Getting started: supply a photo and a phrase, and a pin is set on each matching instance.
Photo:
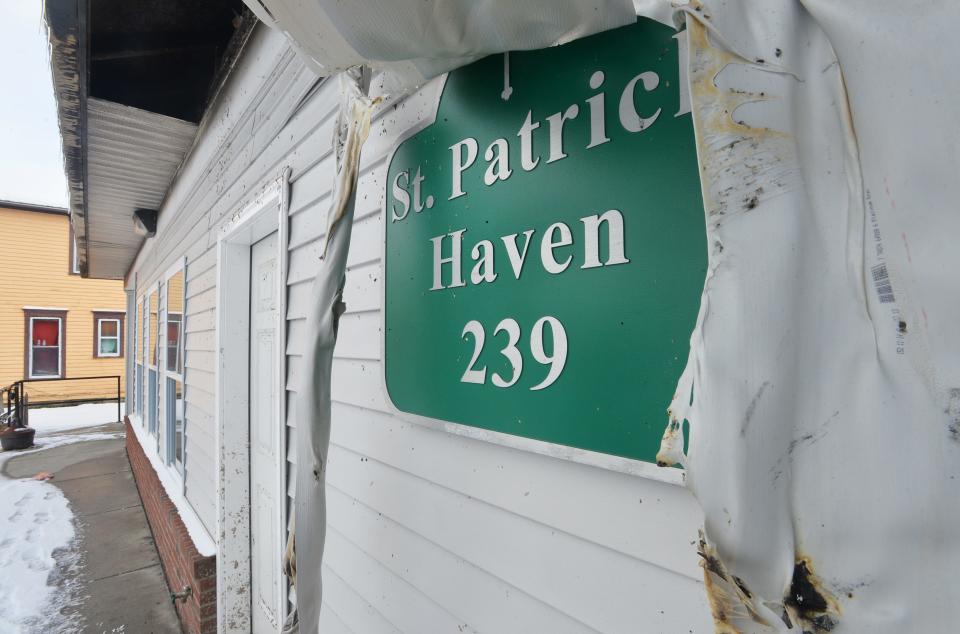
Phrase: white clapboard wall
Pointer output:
(428, 531)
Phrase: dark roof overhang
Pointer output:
(132, 80)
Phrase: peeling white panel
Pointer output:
(416, 40)
(821, 385)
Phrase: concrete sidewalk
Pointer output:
(121, 584)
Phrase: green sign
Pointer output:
(545, 246)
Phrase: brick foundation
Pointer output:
(182, 565)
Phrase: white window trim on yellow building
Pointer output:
(59, 347)
(101, 337)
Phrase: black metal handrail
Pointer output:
(17, 404)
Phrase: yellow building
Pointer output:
(53, 322)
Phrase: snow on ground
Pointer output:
(39, 555)
(48, 420)
(35, 524)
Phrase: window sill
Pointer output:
(172, 483)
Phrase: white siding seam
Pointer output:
(369, 213)
(309, 203)
(362, 599)
(549, 527)
(325, 607)
(480, 569)
(193, 272)
(380, 564)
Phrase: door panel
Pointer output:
(264, 431)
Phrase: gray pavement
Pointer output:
(119, 582)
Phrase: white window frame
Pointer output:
(152, 348)
(59, 347)
(100, 337)
(143, 330)
(177, 374)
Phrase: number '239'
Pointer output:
(556, 359)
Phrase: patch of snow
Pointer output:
(35, 523)
(49, 442)
(49, 420)
(38, 554)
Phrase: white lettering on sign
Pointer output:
(401, 195)
(556, 359)
(460, 163)
(456, 279)
(464, 153)
(557, 236)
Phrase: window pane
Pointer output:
(108, 346)
(173, 346)
(138, 333)
(109, 327)
(175, 420)
(152, 339)
(46, 361)
(174, 320)
(152, 401)
(46, 332)
(139, 388)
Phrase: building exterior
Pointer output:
(433, 525)
(55, 323)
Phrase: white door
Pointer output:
(265, 496)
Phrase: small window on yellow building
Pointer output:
(44, 343)
(107, 334)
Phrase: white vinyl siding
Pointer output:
(241, 150)
(427, 530)
(431, 531)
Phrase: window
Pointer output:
(108, 334)
(74, 257)
(141, 346)
(173, 368)
(150, 342)
(45, 343)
